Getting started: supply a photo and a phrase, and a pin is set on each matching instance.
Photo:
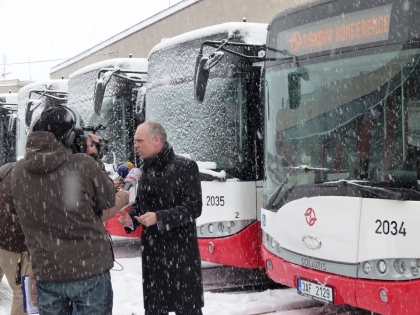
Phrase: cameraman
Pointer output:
(122, 196)
(59, 198)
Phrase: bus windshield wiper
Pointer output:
(284, 52)
(276, 197)
(379, 191)
(209, 174)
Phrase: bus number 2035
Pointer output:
(215, 201)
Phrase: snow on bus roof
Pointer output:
(249, 33)
(58, 85)
(138, 64)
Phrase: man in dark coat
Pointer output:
(168, 202)
(59, 198)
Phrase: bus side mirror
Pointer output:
(11, 126)
(31, 105)
(140, 114)
(294, 87)
(202, 71)
(98, 96)
(100, 86)
(200, 80)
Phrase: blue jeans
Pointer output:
(189, 312)
(90, 296)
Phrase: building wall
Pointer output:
(11, 88)
(12, 85)
(198, 15)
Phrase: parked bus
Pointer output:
(342, 153)
(8, 110)
(32, 99)
(109, 96)
(223, 133)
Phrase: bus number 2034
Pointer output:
(215, 201)
(386, 227)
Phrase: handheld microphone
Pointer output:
(132, 178)
(123, 171)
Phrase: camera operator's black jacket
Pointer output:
(170, 186)
(59, 197)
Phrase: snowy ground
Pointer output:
(128, 298)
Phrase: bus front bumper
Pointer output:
(402, 296)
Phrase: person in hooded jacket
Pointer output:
(59, 198)
(167, 203)
(12, 240)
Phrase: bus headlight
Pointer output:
(267, 238)
(273, 243)
(221, 227)
(202, 228)
(381, 266)
(399, 266)
(366, 267)
(414, 271)
(211, 228)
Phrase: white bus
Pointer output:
(109, 97)
(222, 133)
(342, 153)
(8, 110)
(32, 99)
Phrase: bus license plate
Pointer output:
(315, 291)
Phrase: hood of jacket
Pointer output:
(44, 153)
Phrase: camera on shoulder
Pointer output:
(79, 145)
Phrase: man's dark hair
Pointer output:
(60, 121)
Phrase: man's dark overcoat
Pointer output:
(170, 186)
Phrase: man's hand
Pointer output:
(125, 219)
(118, 184)
(147, 219)
(94, 137)
(90, 147)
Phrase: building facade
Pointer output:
(185, 16)
(12, 86)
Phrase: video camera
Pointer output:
(80, 140)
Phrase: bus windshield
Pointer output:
(7, 137)
(355, 115)
(117, 117)
(216, 130)
(118, 104)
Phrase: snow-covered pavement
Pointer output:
(128, 298)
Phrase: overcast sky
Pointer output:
(40, 30)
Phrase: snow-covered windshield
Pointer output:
(118, 105)
(7, 137)
(214, 131)
(356, 114)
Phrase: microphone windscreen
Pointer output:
(129, 165)
(123, 171)
(133, 177)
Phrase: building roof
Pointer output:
(143, 24)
